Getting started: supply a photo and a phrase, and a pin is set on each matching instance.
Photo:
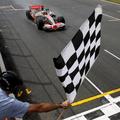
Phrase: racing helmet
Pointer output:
(44, 12)
(52, 14)
(9, 81)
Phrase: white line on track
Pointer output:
(2, 66)
(11, 8)
(117, 20)
(93, 85)
(113, 18)
(5, 7)
(112, 54)
(16, 9)
(108, 97)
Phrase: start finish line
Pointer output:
(109, 111)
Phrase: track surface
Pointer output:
(33, 50)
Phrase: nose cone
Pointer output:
(54, 27)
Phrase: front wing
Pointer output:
(56, 26)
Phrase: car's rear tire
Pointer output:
(61, 19)
(40, 22)
(28, 15)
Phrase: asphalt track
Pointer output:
(33, 50)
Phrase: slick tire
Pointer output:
(61, 19)
(28, 15)
(40, 22)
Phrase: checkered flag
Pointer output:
(78, 56)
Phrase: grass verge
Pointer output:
(115, 1)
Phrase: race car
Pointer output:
(44, 18)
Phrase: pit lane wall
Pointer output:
(109, 111)
(2, 65)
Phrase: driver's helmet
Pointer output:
(34, 11)
(9, 81)
(52, 14)
(44, 12)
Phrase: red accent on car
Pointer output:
(58, 23)
(37, 6)
(54, 27)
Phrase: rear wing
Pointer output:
(37, 7)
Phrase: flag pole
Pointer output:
(94, 97)
(61, 114)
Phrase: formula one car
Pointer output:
(45, 19)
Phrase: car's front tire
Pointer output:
(28, 15)
(40, 22)
(61, 19)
